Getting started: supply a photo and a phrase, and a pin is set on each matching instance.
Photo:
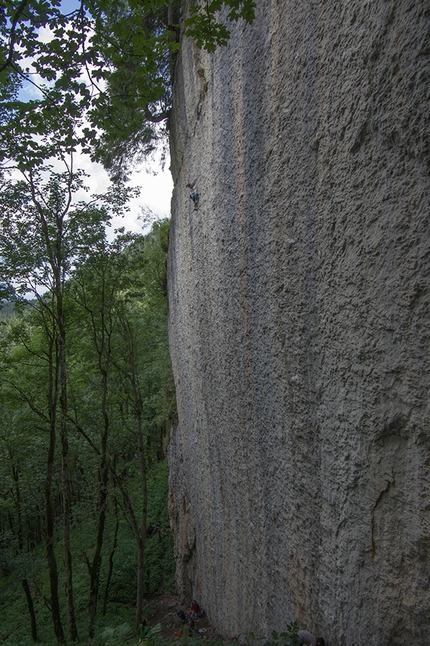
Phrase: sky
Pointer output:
(155, 185)
(153, 178)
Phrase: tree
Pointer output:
(109, 61)
(27, 353)
(145, 337)
(101, 287)
(96, 287)
(43, 233)
(120, 402)
(126, 320)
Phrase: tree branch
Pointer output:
(17, 16)
(84, 434)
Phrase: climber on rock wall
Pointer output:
(193, 193)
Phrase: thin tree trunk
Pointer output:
(15, 475)
(54, 249)
(94, 569)
(141, 538)
(139, 528)
(140, 532)
(101, 332)
(173, 29)
(67, 552)
(30, 609)
(52, 562)
(49, 509)
(25, 585)
(104, 353)
(112, 553)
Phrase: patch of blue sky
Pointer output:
(68, 6)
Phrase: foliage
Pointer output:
(203, 26)
(86, 388)
(288, 638)
(41, 223)
(103, 72)
(116, 636)
(160, 568)
(151, 638)
(127, 266)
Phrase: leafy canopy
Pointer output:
(202, 24)
(101, 74)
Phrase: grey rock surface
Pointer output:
(307, 638)
(300, 323)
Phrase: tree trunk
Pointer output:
(104, 353)
(140, 532)
(67, 552)
(94, 569)
(52, 561)
(173, 30)
(26, 587)
(139, 529)
(141, 538)
(49, 509)
(30, 609)
(15, 475)
(109, 576)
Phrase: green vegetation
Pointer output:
(86, 389)
(108, 463)
(103, 71)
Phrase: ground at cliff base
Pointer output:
(163, 609)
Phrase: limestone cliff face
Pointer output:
(300, 323)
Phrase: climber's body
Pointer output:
(193, 193)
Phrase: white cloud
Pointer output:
(155, 184)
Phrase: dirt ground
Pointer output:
(164, 610)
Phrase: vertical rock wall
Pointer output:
(299, 322)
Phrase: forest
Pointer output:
(87, 398)
(86, 389)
